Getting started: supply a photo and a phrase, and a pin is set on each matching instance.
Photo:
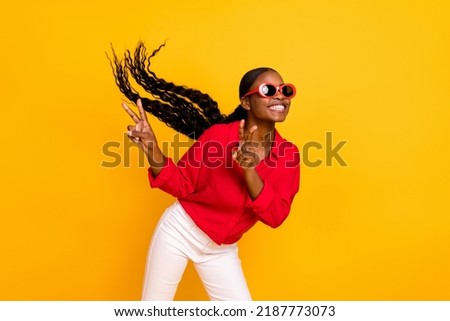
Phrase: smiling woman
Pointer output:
(252, 162)
(187, 110)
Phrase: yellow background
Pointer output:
(375, 74)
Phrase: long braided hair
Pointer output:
(188, 111)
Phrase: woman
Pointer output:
(239, 171)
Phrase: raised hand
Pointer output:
(247, 153)
(141, 133)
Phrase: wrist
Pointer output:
(150, 146)
(248, 169)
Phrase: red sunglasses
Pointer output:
(268, 90)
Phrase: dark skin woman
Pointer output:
(258, 169)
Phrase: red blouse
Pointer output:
(210, 185)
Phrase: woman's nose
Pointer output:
(278, 95)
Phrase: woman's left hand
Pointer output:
(246, 155)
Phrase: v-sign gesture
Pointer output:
(248, 157)
(142, 134)
(247, 154)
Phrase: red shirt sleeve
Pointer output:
(273, 204)
(180, 179)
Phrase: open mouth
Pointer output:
(278, 107)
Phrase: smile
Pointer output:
(277, 107)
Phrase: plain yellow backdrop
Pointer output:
(374, 74)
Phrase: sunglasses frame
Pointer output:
(277, 89)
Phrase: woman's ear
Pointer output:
(245, 103)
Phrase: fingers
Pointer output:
(249, 135)
(141, 110)
(139, 126)
(247, 155)
(241, 129)
(134, 132)
(131, 113)
(246, 160)
(129, 133)
(137, 134)
(130, 129)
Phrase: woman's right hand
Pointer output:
(142, 134)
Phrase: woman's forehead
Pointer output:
(269, 76)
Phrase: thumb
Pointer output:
(135, 133)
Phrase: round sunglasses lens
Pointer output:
(268, 90)
(287, 91)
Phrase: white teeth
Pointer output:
(277, 107)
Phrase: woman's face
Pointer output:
(272, 109)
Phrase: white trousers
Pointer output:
(176, 240)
